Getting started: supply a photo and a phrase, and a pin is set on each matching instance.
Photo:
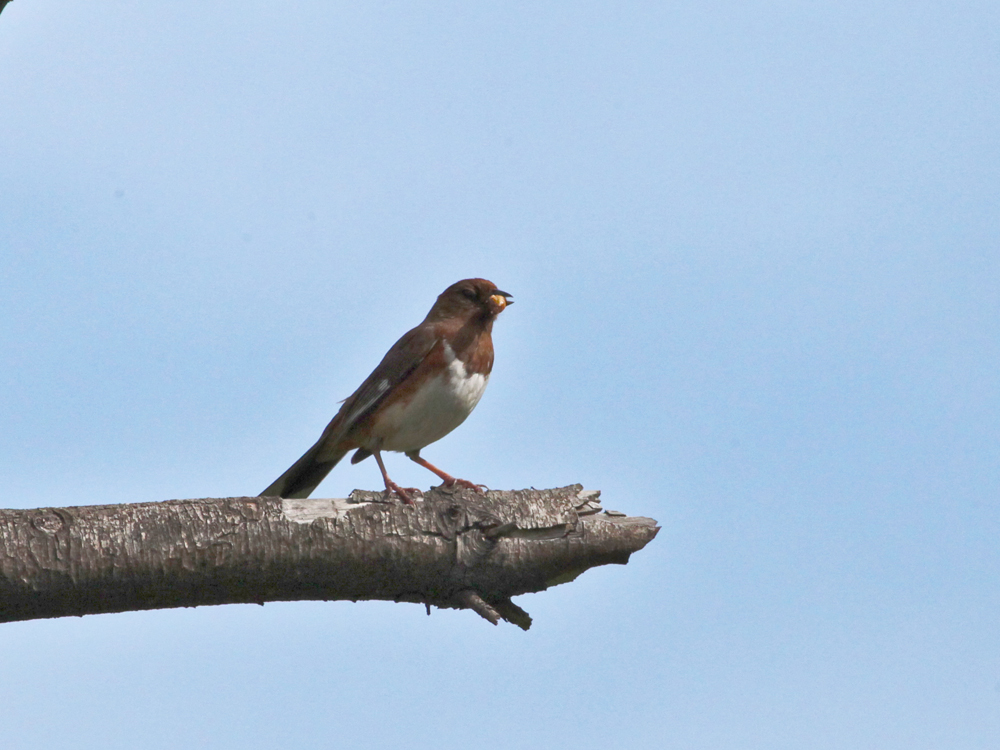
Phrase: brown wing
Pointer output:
(396, 366)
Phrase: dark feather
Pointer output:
(398, 364)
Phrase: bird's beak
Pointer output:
(499, 301)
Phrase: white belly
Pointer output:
(434, 411)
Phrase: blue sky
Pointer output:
(754, 252)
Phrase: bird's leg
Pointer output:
(391, 486)
(448, 479)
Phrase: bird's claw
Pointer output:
(482, 489)
(403, 493)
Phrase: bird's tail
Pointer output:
(304, 475)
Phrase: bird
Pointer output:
(425, 386)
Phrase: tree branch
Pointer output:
(453, 549)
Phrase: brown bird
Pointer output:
(424, 387)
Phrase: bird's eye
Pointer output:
(470, 294)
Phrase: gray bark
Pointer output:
(452, 549)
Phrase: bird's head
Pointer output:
(470, 298)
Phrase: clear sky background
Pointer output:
(754, 252)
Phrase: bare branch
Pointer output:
(452, 549)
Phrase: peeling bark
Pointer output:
(451, 550)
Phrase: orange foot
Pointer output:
(452, 481)
(405, 493)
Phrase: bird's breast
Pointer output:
(436, 407)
